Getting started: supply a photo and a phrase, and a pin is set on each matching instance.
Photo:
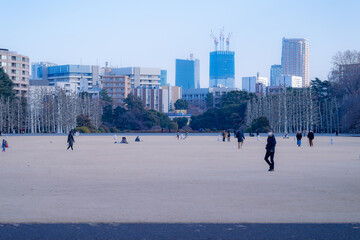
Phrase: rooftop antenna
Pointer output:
(216, 41)
(228, 42)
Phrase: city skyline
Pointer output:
(165, 31)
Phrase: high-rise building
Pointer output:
(140, 76)
(222, 69)
(17, 67)
(222, 64)
(295, 58)
(275, 71)
(289, 81)
(187, 73)
(163, 78)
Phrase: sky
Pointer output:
(155, 33)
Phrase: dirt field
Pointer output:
(163, 179)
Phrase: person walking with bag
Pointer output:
(270, 150)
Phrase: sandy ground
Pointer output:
(166, 180)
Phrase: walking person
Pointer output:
(224, 135)
(240, 138)
(311, 137)
(298, 138)
(228, 135)
(70, 140)
(178, 135)
(270, 150)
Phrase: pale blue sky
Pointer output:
(155, 33)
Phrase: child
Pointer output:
(4, 144)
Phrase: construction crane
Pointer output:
(228, 42)
(221, 37)
(216, 40)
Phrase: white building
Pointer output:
(289, 81)
(295, 58)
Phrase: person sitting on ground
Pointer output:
(137, 139)
(286, 136)
(123, 140)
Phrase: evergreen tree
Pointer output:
(6, 85)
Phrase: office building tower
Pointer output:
(295, 58)
(222, 64)
(187, 73)
(17, 67)
(275, 71)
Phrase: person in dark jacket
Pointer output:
(70, 140)
(311, 137)
(228, 135)
(298, 138)
(270, 150)
(240, 138)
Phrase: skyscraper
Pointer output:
(187, 73)
(222, 64)
(295, 58)
(275, 71)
